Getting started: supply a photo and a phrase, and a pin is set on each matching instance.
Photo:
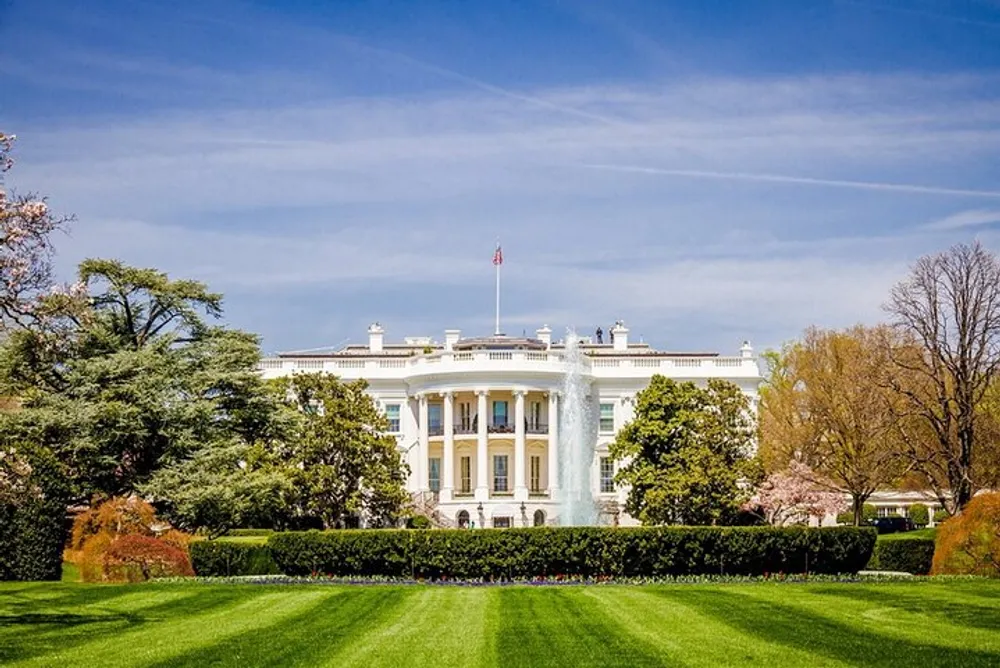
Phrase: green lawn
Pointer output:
(909, 535)
(890, 624)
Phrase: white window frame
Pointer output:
(497, 477)
(610, 428)
(465, 473)
(607, 465)
(398, 419)
(432, 463)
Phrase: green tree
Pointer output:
(223, 486)
(346, 465)
(688, 454)
(126, 376)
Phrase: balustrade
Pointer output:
(493, 357)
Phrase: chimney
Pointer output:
(544, 335)
(451, 337)
(376, 336)
(746, 350)
(620, 334)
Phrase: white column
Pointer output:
(520, 488)
(482, 449)
(448, 474)
(423, 449)
(553, 444)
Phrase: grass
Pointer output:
(254, 540)
(70, 572)
(931, 623)
(910, 535)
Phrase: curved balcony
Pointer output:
(519, 362)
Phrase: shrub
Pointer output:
(136, 558)
(176, 538)
(116, 516)
(418, 522)
(969, 543)
(223, 558)
(940, 516)
(96, 549)
(919, 514)
(32, 514)
(573, 551)
(909, 555)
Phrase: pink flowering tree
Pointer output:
(26, 226)
(795, 495)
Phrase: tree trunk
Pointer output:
(963, 487)
(858, 507)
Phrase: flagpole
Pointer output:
(497, 265)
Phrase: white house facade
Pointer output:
(478, 418)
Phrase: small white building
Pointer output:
(477, 418)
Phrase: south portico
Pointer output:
(494, 444)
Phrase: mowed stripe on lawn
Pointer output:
(158, 637)
(842, 631)
(39, 618)
(545, 626)
(328, 624)
(433, 626)
(685, 635)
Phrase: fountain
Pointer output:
(577, 506)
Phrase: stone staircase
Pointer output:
(426, 504)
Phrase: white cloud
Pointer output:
(962, 219)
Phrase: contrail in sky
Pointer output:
(801, 180)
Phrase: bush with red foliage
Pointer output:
(117, 541)
(116, 516)
(135, 558)
(969, 543)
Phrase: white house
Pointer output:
(478, 418)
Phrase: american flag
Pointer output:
(498, 256)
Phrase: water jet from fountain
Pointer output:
(577, 506)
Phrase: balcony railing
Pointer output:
(469, 428)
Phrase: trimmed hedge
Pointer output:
(225, 558)
(33, 526)
(506, 554)
(909, 555)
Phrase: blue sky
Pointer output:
(707, 171)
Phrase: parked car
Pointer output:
(893, 524)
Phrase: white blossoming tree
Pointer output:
(793, 496)
(26, 227)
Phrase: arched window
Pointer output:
(539, 518)
(463, 519)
